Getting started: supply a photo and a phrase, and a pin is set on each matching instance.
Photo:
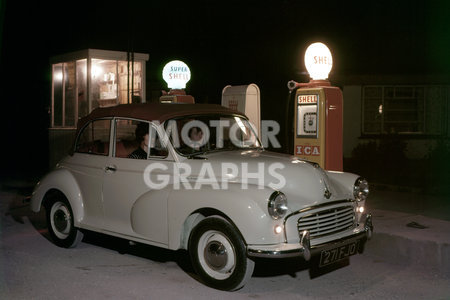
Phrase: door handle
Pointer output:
(110, 169)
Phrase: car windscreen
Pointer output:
(201, 134)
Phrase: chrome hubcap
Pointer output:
(60, 219)
(216, 255)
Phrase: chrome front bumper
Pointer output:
(304, 248)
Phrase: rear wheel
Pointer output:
(218, 254)
(60, 223)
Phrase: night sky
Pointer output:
(223, 42)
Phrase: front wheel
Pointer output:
(60, 223)
(218, 254)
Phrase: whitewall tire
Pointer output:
(60, 223)
(218, 254)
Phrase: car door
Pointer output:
(131, 206)
(88, 167)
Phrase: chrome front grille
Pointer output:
(327, 221)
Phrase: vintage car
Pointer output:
(222, 196)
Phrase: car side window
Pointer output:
(135, 139)
(157, 147)
(94, 138)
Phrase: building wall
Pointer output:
(61, 140)
(352, 118)
(417, 146)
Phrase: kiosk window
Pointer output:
(79, 86)
(115, 81)
(64, 90)
(82, 97)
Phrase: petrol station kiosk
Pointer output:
(318, 112)
(87, 79)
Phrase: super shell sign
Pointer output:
(176, 73)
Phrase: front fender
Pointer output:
(63, 181)
(247, 209)
(343, 183)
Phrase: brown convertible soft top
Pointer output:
(156, 111)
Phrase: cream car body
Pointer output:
(111, 195)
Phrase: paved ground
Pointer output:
(412, 228)
(408, 257)
(410, 202)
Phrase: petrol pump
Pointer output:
(245, 99)
(318, 111)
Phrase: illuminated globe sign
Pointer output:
(318, 61)
(176, 73)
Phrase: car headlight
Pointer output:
(277, 205)
(361, 189)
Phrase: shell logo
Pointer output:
(318, 61)
(176, 73)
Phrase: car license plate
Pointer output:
(333, 255)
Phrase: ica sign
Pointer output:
(176, 73)
(318, 61)
(307, 150)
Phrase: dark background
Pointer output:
(223, 42)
